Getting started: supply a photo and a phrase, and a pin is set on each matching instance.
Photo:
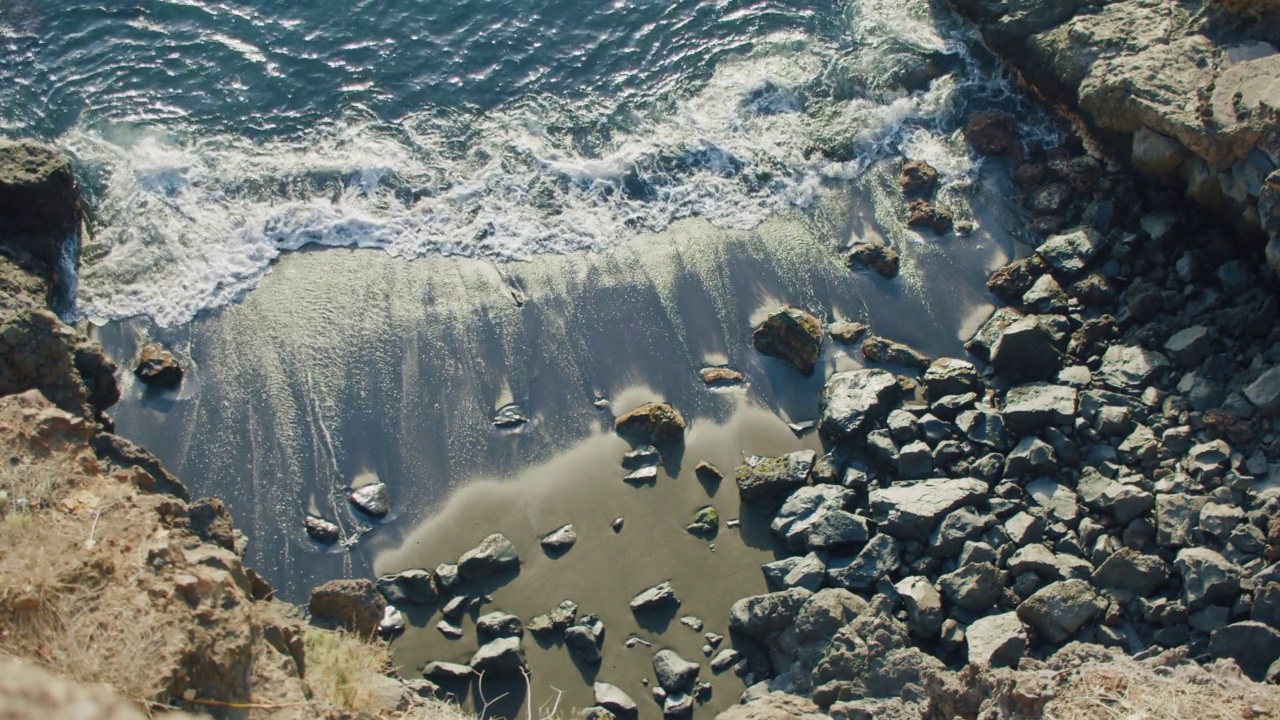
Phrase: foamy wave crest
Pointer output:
(186, 222)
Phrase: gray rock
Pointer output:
(985, 427)
(1034, 405)
(392, 621)
(677, 705)
(1132, 571)
(1139, 446)
(976, 586)
(1058, 610)
(882, 350)
(791, 335)
(915, 461)
(651, 423)
(1124, 502)
(447, 671)
(724, 660)
(371, 499)
(815, 517)
(981, 343)
(807, 573)
(1031, 456)
(613, 699)
(1026, 351)
(910, 511)
(498, 625)
(950, 376)
(1264, 392)
(1219, 519)
(877, 560)
(1177, 515)
(1057, 499)
(763, 616)
(39, 200)
(449, 629)
(1045, 296)
(1253, 645)
(583, 642)
(1190, 346)
(957, 528)
(1207, 578)
(1070, 253)
(560, 539)
(447, 577)
(411, 587)
(564, 614)
(903, 426)
(1129, 367)
(354, 604)
(924, 606)
(643, 476)
(503, 657)
(674, 673)
(654, 598)
(1034, 558)
(1266, 604)
(997, 640)
(643, 456)
(760, 477)
(595, 712)
(494, 555)
(1024, 528)
(321, 530)
(852, 401)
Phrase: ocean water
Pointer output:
(214, 135)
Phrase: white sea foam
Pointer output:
(188, 222)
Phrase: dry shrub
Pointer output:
(35, 485)
(1131, 691)
(337, 663)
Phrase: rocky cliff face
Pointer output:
(1189, 92)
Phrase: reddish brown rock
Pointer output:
(991, 133)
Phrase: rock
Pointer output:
(559, 541)
(923, 214)
(1070, 253)
(764, 616)
(1128, 367)
(1218, 520)
(791, 335)
(918, 178)
(158, 367)
(1189, 347)
(924, 606)
(645, 475)
(1058, 610)
(982, 342)
(997, 640)
(1033, 406)
(321, 530)
(495, 625)
(1132, 571)
(950, 376)
(495, 555)
(652, 422)
(447, 577)
(1025, 351)
(1176, 516)
(984, 426)
(1264, 392)
(881, 350)
(846, 333)
(1045, 296)
(447, 671)
(824, 614)
(353, 604)
(596, 712)
(654, 598)
(1050, 199)
(673, 673)
(449, 630)
(677, 705)
(806, 572)
(1031, 456)
(815, 518)
(1253, 645)
(39, 201)
(1035, 559)
(706, 521)
(881, 258)
(775, 706)
(724, 660)
(564, 614)
(915, 461)
(584, 642)
(371, 499)
(641, 457)
(852, 401)
(909, 511)
(614, 700)
(762, 477)
(708, 473)
(510, 416)
(991, 133)
(1056, 498)
(957, 528)
(503, 657)
(1207, 578)
(976, 586)
(879, 558)
(392, 621)
(411, 587)
(721, 376)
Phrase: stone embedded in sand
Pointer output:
(321, 530)
(652, 422)
(642, 476)
(708, 473)
(655, 598)
(510, 416)
(503, 657)
(494, 625)
(720, 376)
(392, 621)
(493, 556)
(447, 671)
(674, 673)
(923, 214)
(583, 641)
(706, 521)
(792, 335)
(918, 177)
(883, 350)
(353, 604)
(846, 333)
(641, 457)
(411, 587)
(158, 367)
(560, 539)
(371, 499)
(879, 257)
(613, 699)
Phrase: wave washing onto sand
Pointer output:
(188, 223)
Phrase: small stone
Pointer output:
(706, 521)
(645, 475)
(560, 540)
(792, 335)
(321, 530)
(720, 376)
(494, 555)
(673, 673)
(846, 333)
(652, 423)
(510, 416)
(654, 598)
(881, 258)
(693, 622)
(449, 630)
(158, 367)
(882, 350)
(641, 457)
(724, 660)
(371, 499)
(708, 473)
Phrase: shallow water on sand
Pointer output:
(349, 365)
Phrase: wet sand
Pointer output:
(348, 365)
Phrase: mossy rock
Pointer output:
(652, 423)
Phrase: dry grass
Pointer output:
(1130, 691)
(337, 662)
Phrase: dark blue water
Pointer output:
(215, 135)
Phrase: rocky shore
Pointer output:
(1084, 509)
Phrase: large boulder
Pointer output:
(673, 673)
(1058, 610)
(950, 376)
(1207, 578)
(975, 587)
(1026, 350)
(1254, 645)
(852, 401)
(764, 616)
(1130, 570)
(883, 350)
(158, 367)
(1129, 367)
(909, 511)
(495, 555)
(997, 640)
(652, 422)
(875, 562)
(791, 335)
(503, 657)
(764, 477)
(1034, 405)
(39, 202)
(353, 604)
(815, 518)
(410, 587)
(1070, 253)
